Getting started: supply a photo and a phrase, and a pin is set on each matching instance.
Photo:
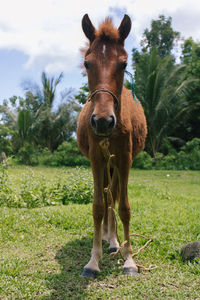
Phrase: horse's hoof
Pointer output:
(130, 271)
(112, 250)
(89, 273)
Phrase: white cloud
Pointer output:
(49, 31)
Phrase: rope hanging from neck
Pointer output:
(132, 86)
(104, 145)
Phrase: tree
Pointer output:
(160, 36)
(36, 120)
(24, 122)
(83, 94)
(51, 127)
(161, 90)
(9, 120)
(191, 58)
(5, 140)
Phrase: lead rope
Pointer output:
(104, 144)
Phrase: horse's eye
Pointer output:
(86, 64)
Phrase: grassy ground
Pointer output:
(43, 250)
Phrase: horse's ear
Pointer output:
(124, 28)
(88, 28)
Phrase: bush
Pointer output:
(28, 155)
(188, 158)
(143, 161)
(67, 154)
(167, 162)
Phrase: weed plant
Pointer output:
(36, 190)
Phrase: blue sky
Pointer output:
(37, 35)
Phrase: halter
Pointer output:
(91, 95)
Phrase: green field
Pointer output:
(43, 250)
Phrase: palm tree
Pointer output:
(24, 122)
(161, 90)
(51, 127)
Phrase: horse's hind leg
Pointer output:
(112, 225)
(105, 218)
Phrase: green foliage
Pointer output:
(191, 57)
(24, 123)
(189, 126)
(188, 158)
(37, 191)
(5, 140)
(67, 154)
(160, 36)
(37, 119)
(78, 188)
(83, 94)
(143, 161)
(28, 155)
(169, 92)
(51, 126)
(161, 90)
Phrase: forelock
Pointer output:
(107, 31)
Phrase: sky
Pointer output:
(46, 35)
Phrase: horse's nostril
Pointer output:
(93, 122)
(112, 122)
(102, 126)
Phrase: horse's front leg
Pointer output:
(109, 223)
(130, 267)
(92, 268)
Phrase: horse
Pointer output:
(110, 113)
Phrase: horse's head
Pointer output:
(105, 62)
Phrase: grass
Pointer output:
(43, 250)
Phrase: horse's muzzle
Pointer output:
(103, 126)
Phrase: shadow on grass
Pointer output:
(72, 258)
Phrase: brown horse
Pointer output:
(110, 113)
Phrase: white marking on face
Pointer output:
(104, 50)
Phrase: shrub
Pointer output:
(143, 161)
(167, 162)
(189, 156)
(67, 154)
(28, 155)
